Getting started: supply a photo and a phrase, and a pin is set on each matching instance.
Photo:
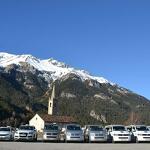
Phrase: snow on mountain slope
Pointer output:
(57, 69)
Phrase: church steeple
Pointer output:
(52, 103)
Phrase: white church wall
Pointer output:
(38, 122)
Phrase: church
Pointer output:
(39, 120)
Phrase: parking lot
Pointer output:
(71, 146)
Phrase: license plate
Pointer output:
(123, 137)
(23, 135)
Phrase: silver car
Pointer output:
(72, 132)
(95, 133)
(6, 133)
(25, 132)
(51, 132)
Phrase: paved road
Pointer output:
(70, 146)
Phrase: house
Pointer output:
(39, 121)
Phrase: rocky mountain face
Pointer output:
(26, 83)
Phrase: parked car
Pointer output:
(25, 132)
(72, 132)
(95, 133)
(6, 133)
(140, 133)
(51, 132)
(118, 133)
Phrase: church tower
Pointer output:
(53, 103)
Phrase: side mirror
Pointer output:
(128, 130)
(63, 129)
(12, 131)
(59, 128)
(134, 130)
(110, 130)
(42, 129)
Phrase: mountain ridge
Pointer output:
(26, 84)
(49, 65)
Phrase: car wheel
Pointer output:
(88, 139)
(35, 138)
(65, 140)
(61, 138)
(85, 139)
(109, 139)
(136, 139)
(113, 141)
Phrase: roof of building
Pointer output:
(58, 119)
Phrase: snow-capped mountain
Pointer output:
(57, 69)
(26, 85)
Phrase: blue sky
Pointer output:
(109, 38)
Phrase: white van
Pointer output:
(140, 133)
(95, 133)
(71, 132)
(118, 133)
(51, 132)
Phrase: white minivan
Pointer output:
(118, 133)
(140, 133)
(94, 133)
(71, 132)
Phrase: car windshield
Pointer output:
(142, 128)
(119, 128)
(96, 128)
(26, 128)
(51, 127)
(4, 129)
(73, 127)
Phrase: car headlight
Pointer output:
(81, 134)
(68, 134)
(128, 134)
(30, 132)
(8, 135)
(139, 134)
(16, 132)
(92, 134)
(115, 134)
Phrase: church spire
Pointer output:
(51, 102)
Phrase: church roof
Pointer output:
(58, 119)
